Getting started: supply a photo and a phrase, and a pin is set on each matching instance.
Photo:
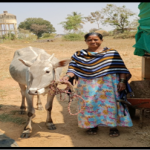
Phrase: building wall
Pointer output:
(8, 19)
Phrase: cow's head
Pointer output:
(41, 73)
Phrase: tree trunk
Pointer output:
(122, 30)
(98, 26)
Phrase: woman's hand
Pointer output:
(122, 82)
(64, 78)
(121, 86)
(67, 77)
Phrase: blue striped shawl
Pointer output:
(89, 65)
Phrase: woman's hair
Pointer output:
(93, 33)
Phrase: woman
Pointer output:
(101, 76)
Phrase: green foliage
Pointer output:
(38, 29)
(96, 16)
(45, 35)
(9, 36)
(48, 35)
(73, 23)
(37, 25)
(12, 36)
(117, 17)
(74, 36)
(26, 35)
(5, 37)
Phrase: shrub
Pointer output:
(9, 36)
(103, 32)
(45, 35)
(48, 35)
(132, 34)
(125, 35)
(74, 36)
(12, 36)
(93, 30)
(26, 35)
(5, 37)
(110, 33)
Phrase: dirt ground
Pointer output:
(67, 134)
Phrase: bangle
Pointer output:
(123, 80)
(68, 76)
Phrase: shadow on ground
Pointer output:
(5, 141)
(69, 127)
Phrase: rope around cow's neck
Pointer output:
(53, 86)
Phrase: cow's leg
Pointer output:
(31, 113)
(39, 104)
(22, 107)
(48, 107)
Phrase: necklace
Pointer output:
(96, 51)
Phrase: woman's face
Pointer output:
(93, 41)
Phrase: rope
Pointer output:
(53, 87)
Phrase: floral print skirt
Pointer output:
(100, 107)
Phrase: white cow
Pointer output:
(34, 69)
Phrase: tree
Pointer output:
(117, 16)
(135, 23)
(96, 16)
(73, 23)
(38, 29)
(42, 26)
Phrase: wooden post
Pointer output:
(15, 29)
(1, 30)
(146, 67)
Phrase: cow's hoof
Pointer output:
(25, 134)
(50, 126)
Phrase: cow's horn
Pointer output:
(51, 57)
(38, 57)
(33, 50)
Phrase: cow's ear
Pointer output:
(26, 63)
(62, 63)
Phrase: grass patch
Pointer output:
(2, 93)
(14, 112)
(4, 75)
(10, 118)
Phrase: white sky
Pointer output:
(57, 12)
